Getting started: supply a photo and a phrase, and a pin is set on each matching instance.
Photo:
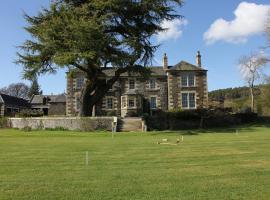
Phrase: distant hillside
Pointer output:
(239, 98)
(233, 93)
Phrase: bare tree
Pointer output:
(16, 89)
(251, 70)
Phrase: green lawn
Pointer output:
(217, 164)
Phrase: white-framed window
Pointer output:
(131, 84)
(188, 80)
(124, 101)
(79, 82)
(188, 100)
(152, 83)
(131, 102)
(109, 103)
(153, 102)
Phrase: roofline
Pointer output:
(2, 98)
(193, 70)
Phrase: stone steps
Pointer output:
(129, 124)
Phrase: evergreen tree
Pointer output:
(89, 35)
(34, 88)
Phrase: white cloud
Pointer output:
(174, 30)
(250, 19)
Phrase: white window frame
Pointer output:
(134, 84)
(134, 99)
(124, 101)
(151, 102)
(107, 107)
(187, 77)
(188, 100)
(155, 83)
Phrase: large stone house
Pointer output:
(179, 87)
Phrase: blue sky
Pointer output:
(228, 37)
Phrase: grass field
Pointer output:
(216, 164)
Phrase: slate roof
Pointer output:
(13, 101)
(159, 71)
(38, 99)
(156, 71)
(185, 66)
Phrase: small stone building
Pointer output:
(181, 86)
(10, 105)
(49, 104)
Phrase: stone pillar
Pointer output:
(2, 110)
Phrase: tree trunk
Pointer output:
(252, 98)
(86, 106)
(92, 93)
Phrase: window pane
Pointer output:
(184, 100)
(79, 83)
(191, 80)
(124, 102)
(153, 102)
(109, 103)
(131, 84)
(131, 103)
(152, 83)
(192, 100)
(184, 80)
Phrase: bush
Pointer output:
(58, 128)
(27, 129)
(30, 113)
(3, 122)
(247, 117)
(192, 119)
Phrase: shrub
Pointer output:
(58, 128)
(247, 117)
(26, 129)
(30, 113)
(3, 122)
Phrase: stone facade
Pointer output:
(49, 104)
(182, 86)
(68, 123)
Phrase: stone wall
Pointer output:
(69, 123)
(57, 109)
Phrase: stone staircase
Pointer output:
(130, 124)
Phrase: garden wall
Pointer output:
(68, 123)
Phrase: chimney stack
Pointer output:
(165, 62)
(199, 59)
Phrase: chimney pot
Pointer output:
(199, 59)
(165, 62)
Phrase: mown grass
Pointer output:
(213, 164)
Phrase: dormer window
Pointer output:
(131, 84)
(188, 80)
(152, 83)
